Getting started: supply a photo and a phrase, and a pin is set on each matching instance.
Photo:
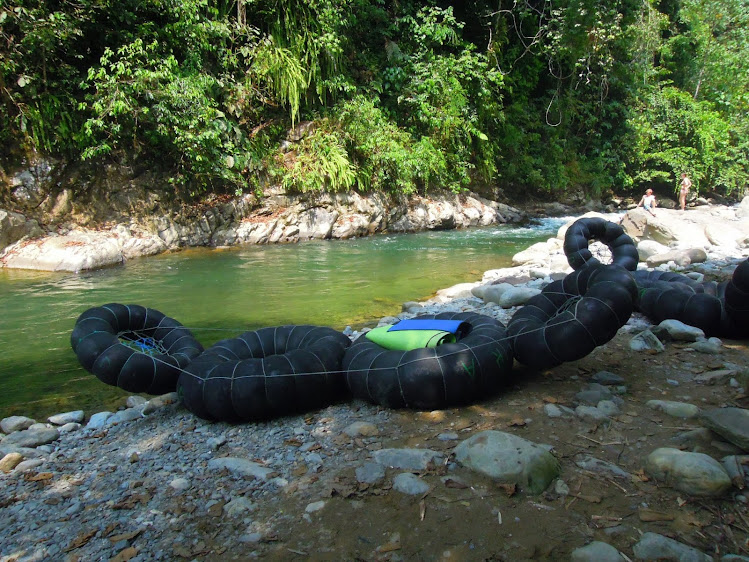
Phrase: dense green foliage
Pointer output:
(393, 96)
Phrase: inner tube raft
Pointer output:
(572, 316)
(576, 239)
(136, 348)
(266, 373)
(716, 308)
(430, 378)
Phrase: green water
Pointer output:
(222, 293)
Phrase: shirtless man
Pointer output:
(684, 186)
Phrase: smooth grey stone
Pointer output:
(679, 331)
(370, 473)
(596, 551)
(98, 420)
(410, 484)
(128, 415)
(645, 341)
(66, 418)
(509, 458)
(653, 546)
(693, 473)
(31, 437)
(408, 459)
(607, 378)
(239, 506)
(12, 424)
(599, 466)
(591, 413)
(241, 466)
(681, 410)
(730, 423)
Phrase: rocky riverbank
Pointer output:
(277, 218)
(624, 454)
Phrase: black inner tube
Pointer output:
(623, 250)
(716, 308)
(266, 373)
(571, 317)
(432, 378)
(136, 348)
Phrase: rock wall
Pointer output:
(278, 217)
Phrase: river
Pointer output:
(222, 293)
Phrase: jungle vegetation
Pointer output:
(543, 96)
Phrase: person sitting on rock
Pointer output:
(648, 202)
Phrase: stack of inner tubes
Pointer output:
(571, 317)
(718, 309)
(473, 367)
(266, 373)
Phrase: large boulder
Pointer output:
(742, 211)
(77, 251)
(639, 225)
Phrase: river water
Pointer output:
(222, 293)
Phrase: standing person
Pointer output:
(684, 186)
(648, 202)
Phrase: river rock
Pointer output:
(509, 458)
(10, 461)
(98, 420)
(593, 414)
(646, 341)
(730, 423)
(370, 473)
(648, 248)
(653, 546)
(242, 467)
(596, 551)
(680, 331)
(517, 296)
(537, 254)
(709, 346)
(693, 473)
(410, 484)
(67, 417)
(737, 467)
(674, 409)
(492, 293)
(681, 257)
(599, 466)
(361, 429)
(16, 423)
(593, 393)
(607, 378)
(459, 291)
(408, 459)
(126, 415)
(239, 506)
(720, 376)
(31, 437)
(158, 402)
(29, 464)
